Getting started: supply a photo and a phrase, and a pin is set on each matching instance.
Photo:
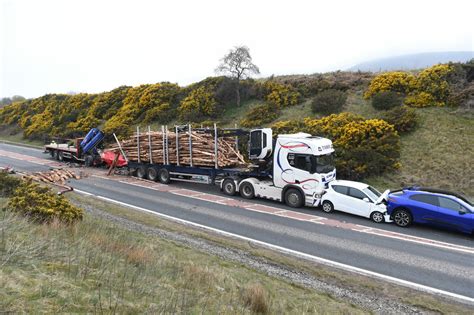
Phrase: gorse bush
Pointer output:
(278, 95)
(386, 100)
(8, 184)
(259, 115)
(363, 147)
(42, 204)
(403, 118)
(199, 105)
(329, 102)
(431, 87)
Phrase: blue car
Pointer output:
(431, 206)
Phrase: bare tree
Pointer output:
(238, 64)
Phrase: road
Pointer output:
(438, 259)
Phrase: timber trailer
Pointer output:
(293, 168)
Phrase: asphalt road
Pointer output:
(442, 267)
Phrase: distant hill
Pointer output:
(414, 61)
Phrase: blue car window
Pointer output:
(447, 203)
(356, 193)
(341, 189)
(429, 199)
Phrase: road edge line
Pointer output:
(324, 261)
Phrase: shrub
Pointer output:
(386, 100)
(41, 204)
(198, 105)
(329, 102)
(277, 94)
(286, 127)
(8, 184)
(363, 147)
(397, 81)
(421, 99)
(403, 118)
(259, 116)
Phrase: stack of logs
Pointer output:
(53, 176)
(202, 149)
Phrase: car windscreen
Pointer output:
(373, 193)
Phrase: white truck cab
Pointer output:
(301, 167)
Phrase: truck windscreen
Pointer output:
(324, 163)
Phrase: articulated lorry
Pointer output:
(292, 168)
(83, 150)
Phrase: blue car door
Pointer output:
(424, 208)
(453, 215)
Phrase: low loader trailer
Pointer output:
(292, 168)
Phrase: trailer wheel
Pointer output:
(51, 152)
(164, 176)
(152, 174)
(246, 190)
(293, 198)
(141, 172)
(88, 161)
(228, 186)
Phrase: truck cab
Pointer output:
(301, 167)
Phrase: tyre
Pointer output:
(294, 198)
(327, 206)
(402, 217)
(51, 153)
(377, 217)
(164, 176)
(246, 190)
(141, 172)
(152, 174)
(228, 186)
(89, 161)
(56, 155)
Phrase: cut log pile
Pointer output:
(202, 149)
(53, 176)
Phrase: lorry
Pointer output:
(292, 168)
(83, 150)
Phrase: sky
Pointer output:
(61, 46)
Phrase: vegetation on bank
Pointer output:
(397, 99)
(93, 265)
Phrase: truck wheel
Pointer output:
(228, 186)
(293, 198)
(152, 174)
(52, 153)
(88, 161)
(61, 157)
(246, 190)
(164, 176)
(56, 155)
(141, 172)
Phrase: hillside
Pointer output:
(413, 61)
(387, 160)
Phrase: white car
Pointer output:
(355, 198)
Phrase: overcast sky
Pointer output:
(92, 46)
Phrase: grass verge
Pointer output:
(97, 266)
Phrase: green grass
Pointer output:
(233, 115)
(439, 153)
(97, 266)
(18, 138)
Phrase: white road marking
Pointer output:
(318, 259)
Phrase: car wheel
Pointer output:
(377, 217)
(141, 172)
(152, 174)
(327, 206)
(228, 186)
(293, 198)
(247, 191)
(402, 217)
(164, 176)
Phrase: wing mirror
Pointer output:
(366, 199)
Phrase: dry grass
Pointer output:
(256, 298)
(98, 267)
